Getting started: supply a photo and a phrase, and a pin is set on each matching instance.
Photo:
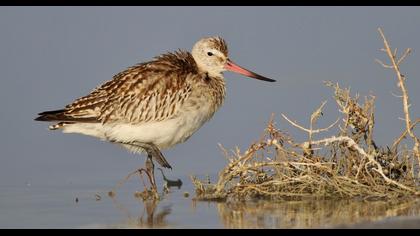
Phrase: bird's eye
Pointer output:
(210, 54)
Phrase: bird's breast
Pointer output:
(196, 111)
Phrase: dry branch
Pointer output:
(353, 145)
(401, 84)
(347, 165)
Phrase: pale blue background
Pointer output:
(52, 55)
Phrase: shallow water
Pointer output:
(55, 206)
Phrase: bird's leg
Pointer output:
(151, 149)
(170, 183)
(154, 152)
(150, 167)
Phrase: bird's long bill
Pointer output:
(235, 68)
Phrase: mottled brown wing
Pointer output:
(145, 92)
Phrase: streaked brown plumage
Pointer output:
(156, 104)
(169, 80)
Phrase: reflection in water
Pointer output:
(265, 214)
(149, 217)
(262, 214)
(153, 219)
(311, 214)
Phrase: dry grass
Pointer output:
(347, 165)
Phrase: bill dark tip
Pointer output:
(260, 77)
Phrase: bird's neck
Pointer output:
(217, 87)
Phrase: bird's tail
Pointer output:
(63, 118)
(56, 115)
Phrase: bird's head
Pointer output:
(212, 56)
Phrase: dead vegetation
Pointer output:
(347, 165)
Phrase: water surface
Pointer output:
(77, 205)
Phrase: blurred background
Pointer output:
(50, 56)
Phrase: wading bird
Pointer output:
(156, 104)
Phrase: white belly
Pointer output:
(163, 134)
